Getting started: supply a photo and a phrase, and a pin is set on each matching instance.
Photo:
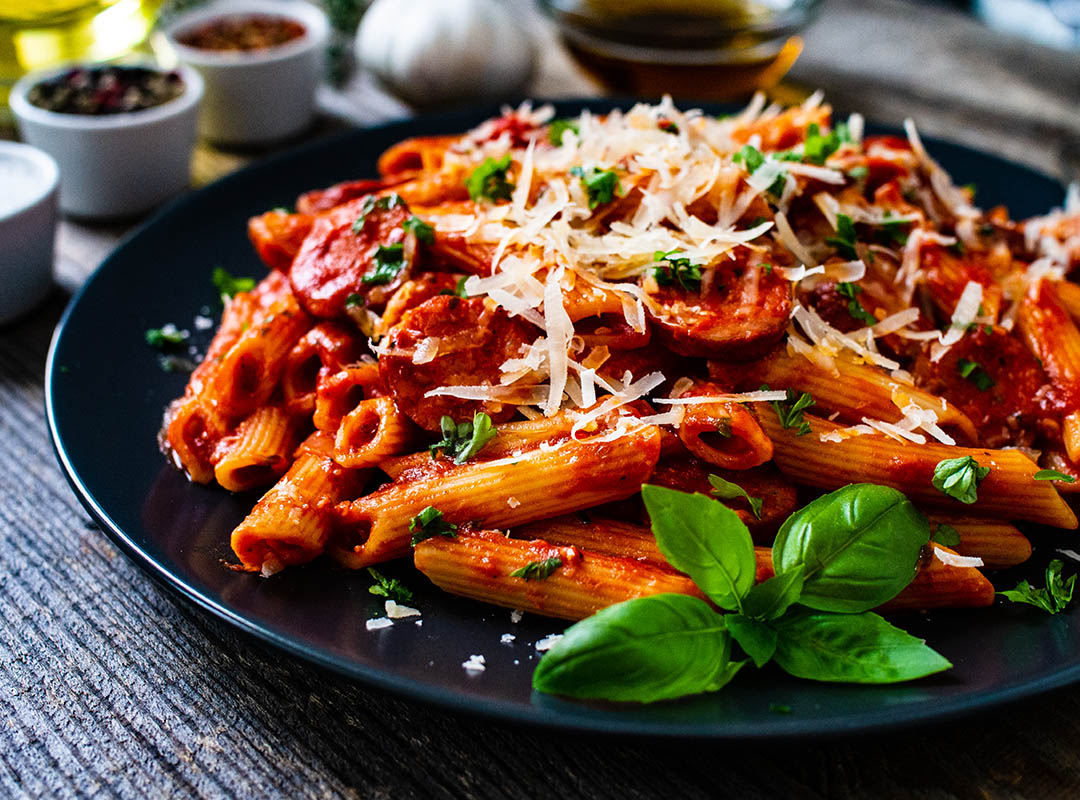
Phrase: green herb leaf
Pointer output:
(428, 523)
(1054, 598)
(790, 411)
(353, 300)
(973, 371)
(817, 148)
(560, 126)
(421, 230)
(371, 202)
(653, 648)
(858, 172)
(389, 587)
(844, 241)
(667, 126)
(858, 546)
(855, 308)
(946, 535)
(600, 185)
(726, 490)
(852, 648)
(757, 639)
(959, 478)
(893, 231)
(464, 440)
(704, 539)
(1053, 475)
(166, 336)
(771, 598)
(389, 261)
(752, 159)
(676, 269)
(537, 570)
(229, 286)
(488, 181)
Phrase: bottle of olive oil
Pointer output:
(35, 34)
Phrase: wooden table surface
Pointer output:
(111, 686)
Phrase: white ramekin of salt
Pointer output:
(28, 212)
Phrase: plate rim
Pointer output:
(500, 711)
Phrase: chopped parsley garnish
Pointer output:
(537, 570)
(726, 490)
(946, 535)
(1054, 598)
(753, 159)
(673, 268)
(667, 125)
(560, 126)
(893, 231)
(371, 202)
(428, 523)
(959, 478)
(1053, 475)
(389, 587)
(817, 148)
(855, 308)
(420, 229)
(166, 336)
(229, 286)
(790, 411)
(488, 181)
(389, 261)
(462, 441)
(353, 300)
(858, 172)
(601, 185)
(844, 241)
(974, 372)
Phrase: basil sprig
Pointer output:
(842, 554)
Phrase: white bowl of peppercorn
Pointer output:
(123, 134)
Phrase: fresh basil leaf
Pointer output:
(946, 535)
(771, 598)
(959, 478)
(851, 648)
(1053, 475)
(652, 648)
(726, 490)
(704, 539)
(755, 637)
(1054, 598)
(859, 547)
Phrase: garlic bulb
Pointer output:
(437, 51)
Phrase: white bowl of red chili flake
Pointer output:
(122, 134)
(261, 60)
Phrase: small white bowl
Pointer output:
(114, 165)
(27, 227)
(256, 97)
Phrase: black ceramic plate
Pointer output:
(106, 392)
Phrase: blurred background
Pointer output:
(1003, 75)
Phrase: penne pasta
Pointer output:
(539, 483)
(258, 452)
(1008, 491)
